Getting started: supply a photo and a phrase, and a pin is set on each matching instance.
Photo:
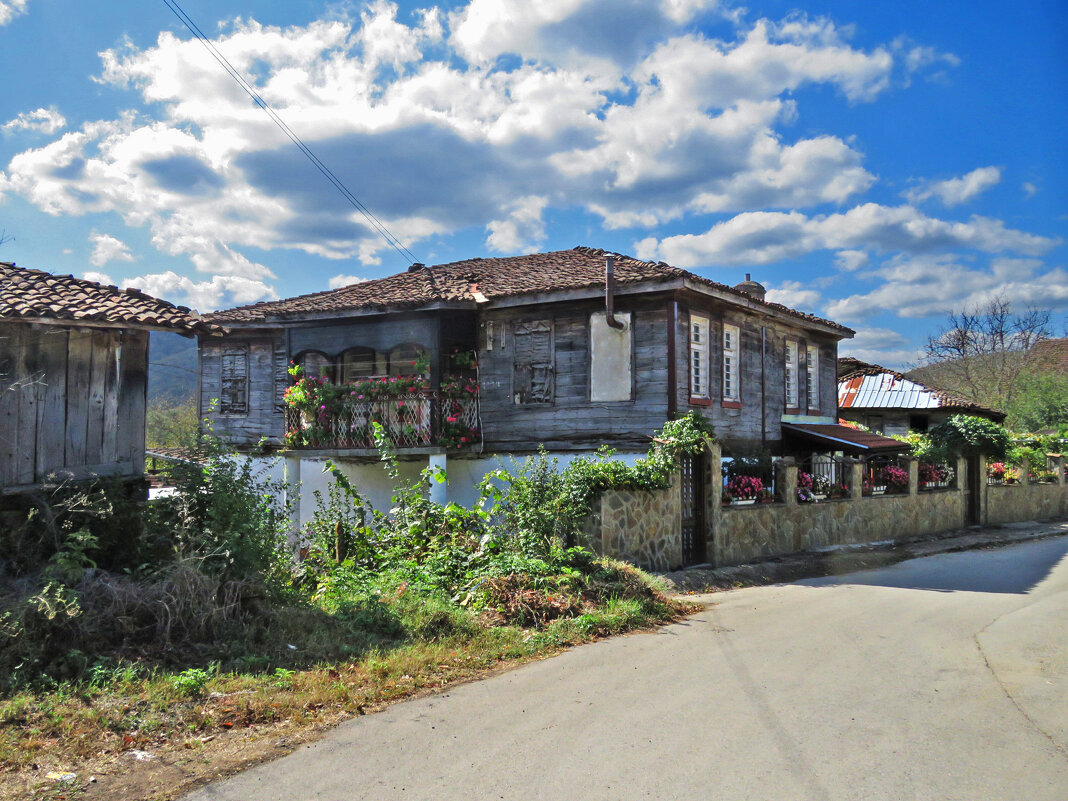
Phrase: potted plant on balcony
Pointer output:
(996, 471)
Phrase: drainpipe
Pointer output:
(763, 386)
(609, 292)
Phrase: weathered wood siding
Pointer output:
(72, 403)
(267, 381)
(763, 367)
(571, 420)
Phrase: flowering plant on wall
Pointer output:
(745, 487)
(385, 386)
(933, 474)
(897, 479)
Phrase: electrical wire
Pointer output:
(377, 225)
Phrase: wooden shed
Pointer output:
(74, 376)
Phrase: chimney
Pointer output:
(752, 288)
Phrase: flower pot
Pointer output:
(744, 502)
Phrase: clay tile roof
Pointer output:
(1051, 354)
(870, 386)
(480, 280)
(33, 294)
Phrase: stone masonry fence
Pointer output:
(645, 527)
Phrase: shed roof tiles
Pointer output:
(481, 280)
(37, 295)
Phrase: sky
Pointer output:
(878, 164)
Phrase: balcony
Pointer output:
(320, 415)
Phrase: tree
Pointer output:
(984, 351)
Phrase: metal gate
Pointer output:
(692, 475)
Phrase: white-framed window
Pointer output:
(698, 356)
(812, 366)
(732, 350)
(792, 399)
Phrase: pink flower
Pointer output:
(450, 419)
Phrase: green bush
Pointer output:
(971, 436)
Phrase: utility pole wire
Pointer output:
(377, 225)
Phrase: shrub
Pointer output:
(971, 436)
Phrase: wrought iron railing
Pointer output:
(885, 476)
(416, 420)
(937, 476)
(820, 477)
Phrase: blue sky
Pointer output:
(876, 163)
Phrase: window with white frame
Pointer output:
(812, 365)
(791, 375)
(698, 356)
(731, 362)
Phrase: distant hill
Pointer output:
(172, 367)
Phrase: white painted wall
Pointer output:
(371, 480)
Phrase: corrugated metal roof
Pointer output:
(885, 391)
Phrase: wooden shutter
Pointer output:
(533, 379)
(233, 399)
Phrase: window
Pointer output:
(409, 360)
(792, 400)
(357, 363)
(233, 393)
(812, 365)
(532, 375)
(698, 356)
(731, 362)
(315, 364)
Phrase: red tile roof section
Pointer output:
(1051, 354)
(464, 281)
(848, 437)
(850, 370)
(34, 294)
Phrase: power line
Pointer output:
(377, 225)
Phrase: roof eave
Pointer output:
(203, 329)
(758, 307)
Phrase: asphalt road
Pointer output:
(939, 678)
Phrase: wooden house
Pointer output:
(891, 403)
(73, 376)
(569, 350)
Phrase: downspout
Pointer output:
(763, 386)
(609, 293)
(672, 378)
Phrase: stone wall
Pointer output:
(643, 527)
(1011, 503)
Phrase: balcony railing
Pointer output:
(418, 420)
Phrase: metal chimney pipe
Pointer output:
(609, 293)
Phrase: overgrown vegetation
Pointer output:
(107, 605)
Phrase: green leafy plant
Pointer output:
(968, 435)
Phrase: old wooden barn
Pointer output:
(74, 376)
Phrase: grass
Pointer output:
(202, 722)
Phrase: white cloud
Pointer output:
(954, 191)
(881, 346)
(107, 248)
(44, 120)
(1030, 189)
(613, 107)
(339, 281)
(765, 237)
(850, 260)
(100, 278)
(221, 290)
(522, 230)
(795, 294)
(9, 9)
(923, 286)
